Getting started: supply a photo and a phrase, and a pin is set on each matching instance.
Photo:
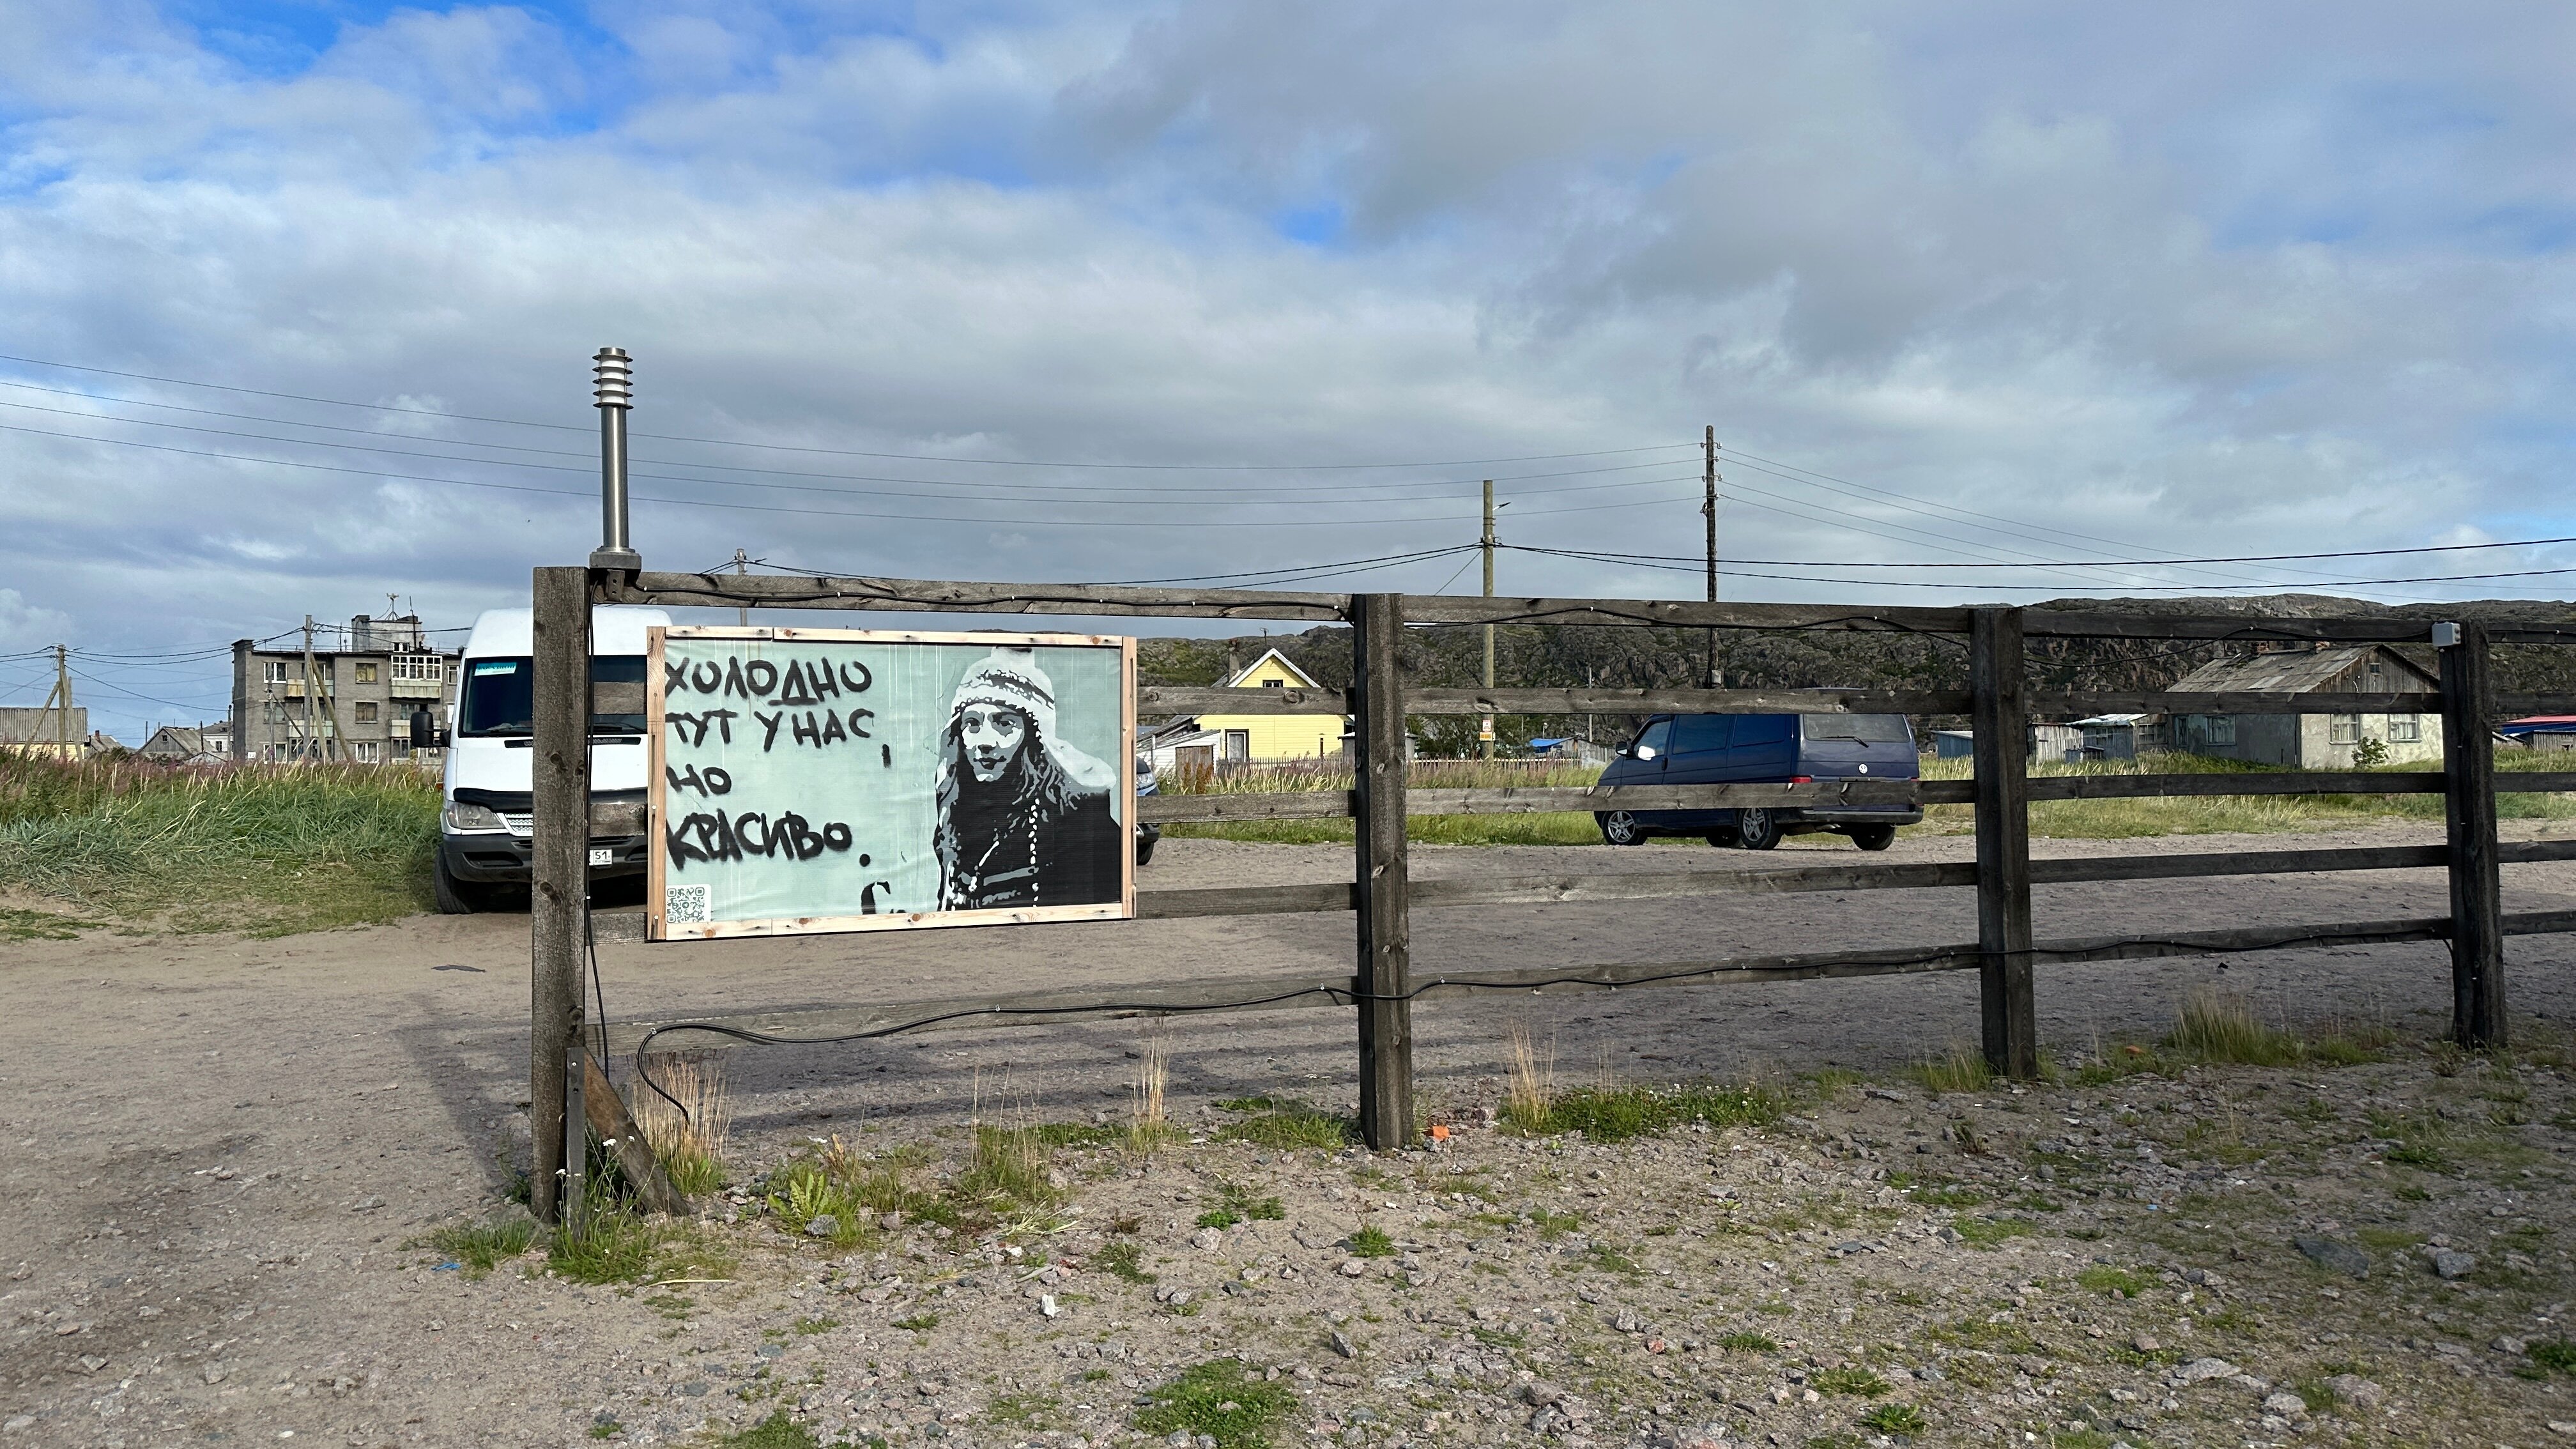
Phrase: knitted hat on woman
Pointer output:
(1009, 679)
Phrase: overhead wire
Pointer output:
(846, 452)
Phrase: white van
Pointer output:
(484, 832)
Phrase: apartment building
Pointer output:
(348, 700)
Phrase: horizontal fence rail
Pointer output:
(1285, 992)
(1173, 701)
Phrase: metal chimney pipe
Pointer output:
(613, 385)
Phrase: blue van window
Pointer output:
(1762, 729)
(1696, 733)
(1867, 729)
(1650, 740)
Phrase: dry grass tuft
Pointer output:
(1531, 1099)
(1961, 1069)
(1150, 1128)
(690, 1138)
(2220, 1026)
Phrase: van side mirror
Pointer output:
(1645, 752)
(425, 731)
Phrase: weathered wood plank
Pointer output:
(2082, 703)
(1679, 614)
(2469, 820)
(774, 591)
(1684, 701)
(2306, 782)
(1166, 701)
(616, 1127)
(1384, 876)
(2010, 1017)
(559, 761)
(1268, 900)
(1266, 805)
(964, 1013)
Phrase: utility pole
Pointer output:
(63, 710)
(1485, 730)
(1708, 509)
(312, 737)
(741, 566)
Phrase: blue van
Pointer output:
(1778, 749)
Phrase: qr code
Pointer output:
(688, 904)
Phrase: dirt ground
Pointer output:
(223, 1152)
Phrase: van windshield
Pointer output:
(500, 696)
(1867, 729)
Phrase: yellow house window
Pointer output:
(1274, 684)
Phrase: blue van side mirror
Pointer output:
(1644, 752)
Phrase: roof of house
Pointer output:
(2296, 671)
(1301, 676)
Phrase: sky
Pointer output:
(303, 296)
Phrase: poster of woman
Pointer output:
(841, 780)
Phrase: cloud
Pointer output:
(2006, 282)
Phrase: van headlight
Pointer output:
(462, 818)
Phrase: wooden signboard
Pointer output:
(863, 780)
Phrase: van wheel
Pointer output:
(1873, 837)
(1620, 827)
(1756, 829)
(1144, 854)
(454, 897)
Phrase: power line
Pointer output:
(949, 488)
(987, 519)
(2111, 563)
(1634, 562)
(842, 452)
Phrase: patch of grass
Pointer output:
(618, 1245)
(810, 1327)
(267, 849)
(1553, 1225)
(1896, 1419)
(2226, 814)
(1236, 1203)
(1960, 1070)
(2117, 1282)
(1285, 1125)
(1949, 1194)
(1025, 1411)
(2222, 1027)
(1984, 1333)
(1986, 1232)
(606, 1429)
(775, 1432)
(1855, 1381)
(1123, 1260)
(1221, 1399)
(1370, 1242)
(918, 1323)
(481, 1247)
(1616, 1114)
(1012, 1170)
(2557, 1355)
(1611, 1260)
(1746, 1341)
(19, 925)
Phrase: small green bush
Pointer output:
(2118, 1282)
(1855, 1381)
(1222, 1399)
(1371, 1242)
(2558, 1355)
(1123, 1260)
(1895, 1419)
(1747, 1342)
(481, 1247)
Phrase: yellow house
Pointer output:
(1215, 739)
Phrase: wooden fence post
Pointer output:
(558, 906)
(2002, 748)
(1385, 931)
(2469, 810)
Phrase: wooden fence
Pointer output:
(1382, 896)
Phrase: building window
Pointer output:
(364, 751)
(1238, 745)
(272, 671)
(2343, 729)
(427, 668)
(2405, 729)
(366, 671)
(366, 711)
(2212, 729)
(1274, 684)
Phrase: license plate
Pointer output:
(603, 857)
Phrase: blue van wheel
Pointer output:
(1619, 827)
(1756, 829)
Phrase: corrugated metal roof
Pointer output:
(2298, 672)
